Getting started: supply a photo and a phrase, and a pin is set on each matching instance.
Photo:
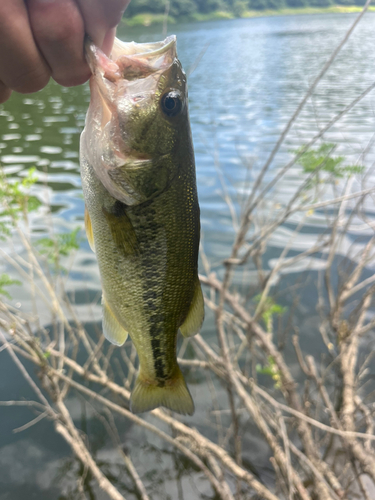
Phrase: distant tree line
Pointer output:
(180, 8)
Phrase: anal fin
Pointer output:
(88, 227)
(112, 329)
(195, 317)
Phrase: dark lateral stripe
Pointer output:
(159, 369)
(148, 230)
(149, 295)
(156, 348)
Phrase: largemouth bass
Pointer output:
(142, 212)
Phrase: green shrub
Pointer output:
(297, 3)
(266, 4)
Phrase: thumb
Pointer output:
(4, 92)
(108, 41)
(101, 18)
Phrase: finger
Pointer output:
(108, 41)
(58, 30)
(22, 67)
(101, 17)
(4, 93)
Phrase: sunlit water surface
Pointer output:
(248, 83)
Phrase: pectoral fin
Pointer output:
(194, 319)
(113, 331)
(122, 231)
(88, 227)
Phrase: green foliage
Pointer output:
(297, 3)
(5, 280)
(208, 9)
(207, 6)
(61, 246)
(4, 229)
(321, 160)
(176, 7)
(213, 16)
(351, 2)
(239, 7)
(16, 200)
(266, 4)
(180, 8)
(269, 310)
(270, 369)
(320, 3)
(65, 243)
(148, 19)
(142, 6)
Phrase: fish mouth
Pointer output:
(130, 60)
(130, 76)
(149, 50)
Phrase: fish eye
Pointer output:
(171, 103)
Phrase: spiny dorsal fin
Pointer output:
(195, 317)
(113, 331)
(88, 227)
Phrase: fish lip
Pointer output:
(143, 59)
(143, 49)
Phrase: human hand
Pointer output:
(40, 39)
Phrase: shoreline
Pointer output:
(148, 19)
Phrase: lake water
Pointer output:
(247, 84)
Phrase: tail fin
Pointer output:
(173, 395)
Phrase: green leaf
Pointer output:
(265, 370)
(6, 280)
(321, 160)
(15, 199)
(271, 370)
(270, 309)
(62, 245)
(68, 241)
(45, 244)
(30, 178)
(33, 203)
(4, 230)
